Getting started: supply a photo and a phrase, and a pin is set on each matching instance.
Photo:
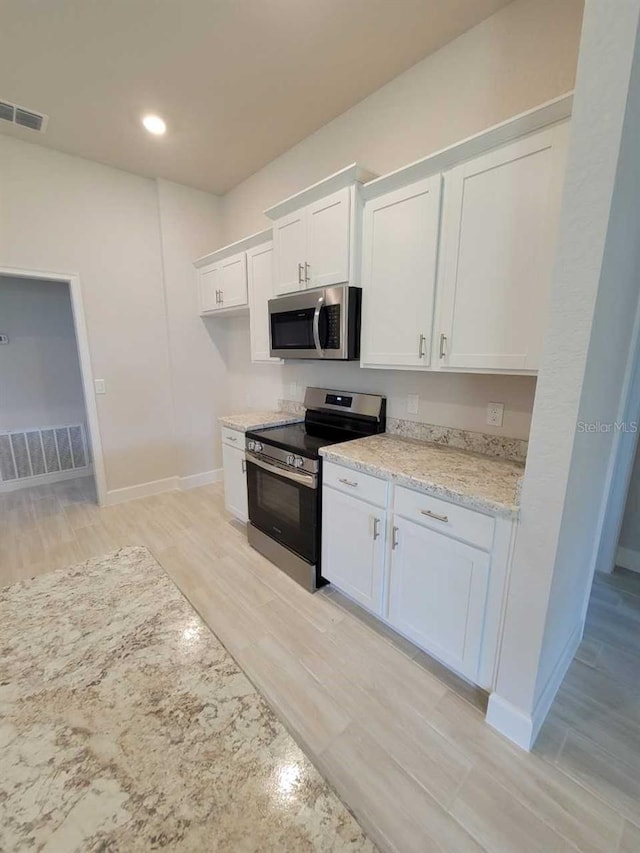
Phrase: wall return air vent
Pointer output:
(23, 117)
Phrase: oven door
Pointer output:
(283, 503)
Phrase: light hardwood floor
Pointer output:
(404, 743)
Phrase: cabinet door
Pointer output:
(437, 594)
(500, 220)
(400, 241)
(290, 251)
(233, 281)
(328, 240)
(353, 546)
(260, 282)
(209, 284)
(235, 482)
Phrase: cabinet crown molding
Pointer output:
(544, 115)
(352, 174)
(233, 248)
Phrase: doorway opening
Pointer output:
(49, 435)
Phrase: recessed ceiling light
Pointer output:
(154, 124)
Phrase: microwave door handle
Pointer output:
(316, 325)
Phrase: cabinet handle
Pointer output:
(435, 515)
(443, 344)
(217, 297)
(376, 527)
(307, 272)
(394, 538)
(232, 438)
(244, 466)
(221, 297)
(421, 344)
(348, 483)
(300, 267)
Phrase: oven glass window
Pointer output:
(280, 498)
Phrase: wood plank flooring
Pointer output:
(403, 742)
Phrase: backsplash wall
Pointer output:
(453, 400)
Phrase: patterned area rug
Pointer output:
(126, 726)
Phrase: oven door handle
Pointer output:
(308, 480)
(316, 325)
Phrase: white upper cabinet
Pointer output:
(260, 281)
(290, 249)
(400, 248)
(315, 233)
(209, 287)
(233, 281)
(222, 276)
(500, 218)
(328, 239)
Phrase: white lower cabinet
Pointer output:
(235, 476)
(353, 548)
(437, 594)
(432, 586)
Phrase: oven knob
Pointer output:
(298, 462)
(258, 447)
(251, 445)
(290, 459)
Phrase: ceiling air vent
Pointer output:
(22, 117)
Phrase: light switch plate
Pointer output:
(413, 402)
(495, 414)
(101, 386)
(293, 390)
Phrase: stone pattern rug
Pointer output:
(126, 726)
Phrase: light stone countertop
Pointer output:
(473, 480)
(259, 420)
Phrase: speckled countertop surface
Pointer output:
(479, 482)
(259, 420)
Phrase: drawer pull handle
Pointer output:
(349, 483)
(232, 438)
(376, 527)
(435, 515)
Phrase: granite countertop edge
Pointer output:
(476, 502)
(246, 421)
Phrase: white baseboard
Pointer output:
(168, 484)
(142, 490)
(628, 559)
(519, 726)
(44, 479)
(192, 481)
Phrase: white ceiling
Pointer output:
(237, 81)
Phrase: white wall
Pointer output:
(594, 298)
(190, 227)
(40, 381)
(65, 214)
(520, 57)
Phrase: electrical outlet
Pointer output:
(413, 401)
(101, 386)
(495, 414)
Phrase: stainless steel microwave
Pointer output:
(320, 323)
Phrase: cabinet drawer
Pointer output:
(233, 438)
(445, 517)
(355, 483)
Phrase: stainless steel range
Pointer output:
(284, 477)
